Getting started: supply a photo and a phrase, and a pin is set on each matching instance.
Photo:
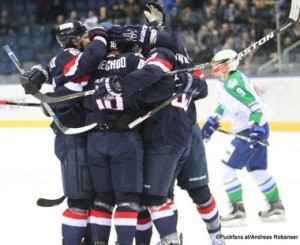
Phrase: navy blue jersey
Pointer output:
(105, 112)
(168, 126)
(70, 72)
(183, 61)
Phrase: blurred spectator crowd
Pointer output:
(205, 26)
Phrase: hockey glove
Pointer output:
(138, 34)
(154, 12)
(188, 84)
(37, 76)
(106, 89)
(257, 133)
(183, 82)
(98, 31)
(209, 128)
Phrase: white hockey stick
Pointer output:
(9, 102)
(242, 137)
(59, 124)
(294, 14)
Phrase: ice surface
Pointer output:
(29, 170)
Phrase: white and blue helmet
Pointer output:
(225, 55)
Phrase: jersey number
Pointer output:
(115, 104)
(182, 102)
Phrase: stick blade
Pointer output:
(43, 202)
(295, 8)
(7, 49)
(79, 130)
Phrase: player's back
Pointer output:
(107, 111)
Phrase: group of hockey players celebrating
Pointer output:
(115, 174)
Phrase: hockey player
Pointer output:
(192, 175)
(69, 72)
(239, 101)
(166, 135)
(115, 153)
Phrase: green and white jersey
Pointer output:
(239, 101)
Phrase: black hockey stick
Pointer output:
(293, 16)
(40, 96)
(189, 69)
(48, 99)
(242, 137)
(46, 203)
(59, 124)
(9, 102)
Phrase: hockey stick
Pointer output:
(46, 203)
(293, 16)
(48, 99)
(40, 96)
(242, 137)
(168, 101)
(8, 102)
(59, 124)
(189, 69)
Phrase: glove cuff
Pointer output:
(216, 117)
(252, 124)
(100, 38)
(45, 70)
(111, 88)
(153, 37)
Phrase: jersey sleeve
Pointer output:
(167, 40)
(76, 65)
(219, 111)
(135, 61)
(160, 90)
(88, 60)
(160, 61)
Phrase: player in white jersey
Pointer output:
(239, 101)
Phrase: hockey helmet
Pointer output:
(225, 55)
(67, 31)
(123, 47)
(106, 25)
